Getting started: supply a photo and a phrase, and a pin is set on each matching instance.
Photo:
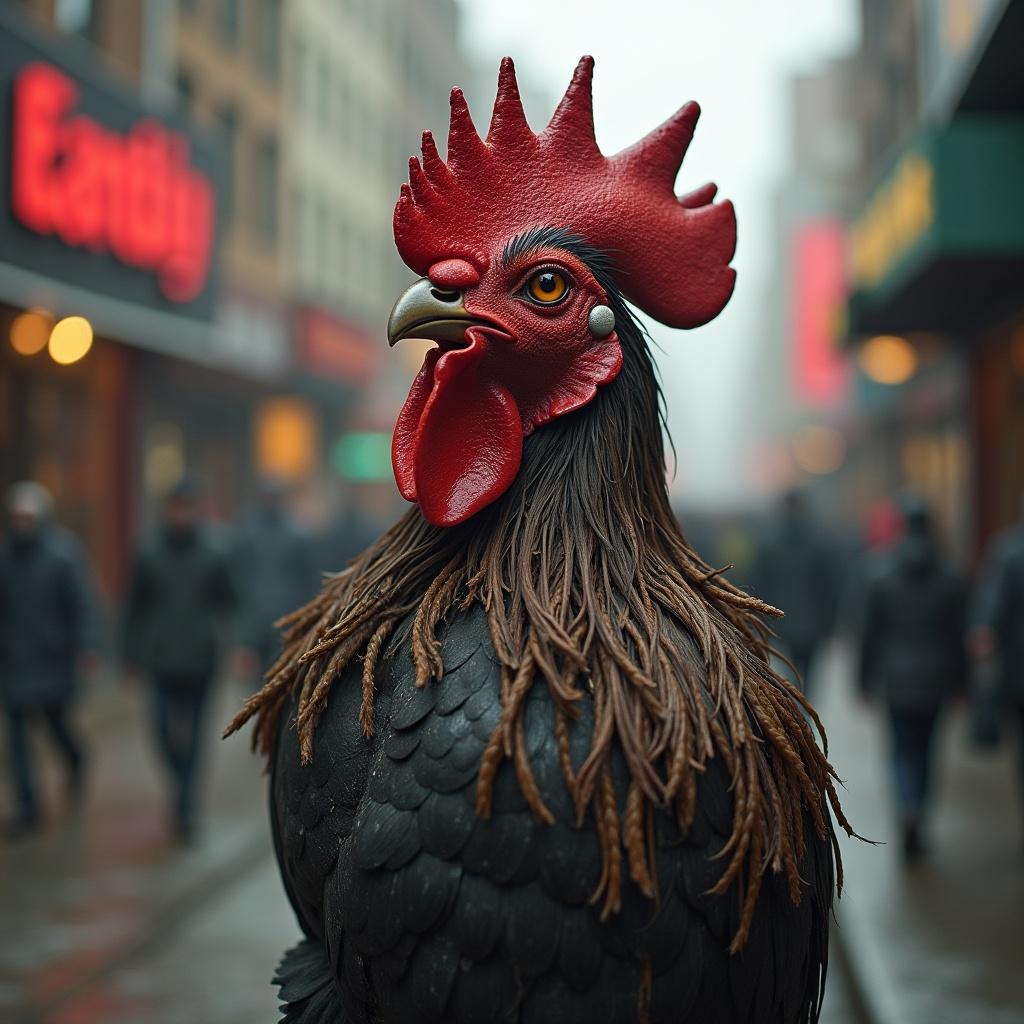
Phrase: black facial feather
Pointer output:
(639, 369)
(601, 264)
(632, 407)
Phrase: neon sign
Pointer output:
(134, 195)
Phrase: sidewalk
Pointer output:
(105, 886)
(943, 942)
(214, 969)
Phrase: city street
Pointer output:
(939, 943)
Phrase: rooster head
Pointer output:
(507, 237)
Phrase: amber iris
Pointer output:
(547, 287)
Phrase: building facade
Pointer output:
(900, 226)
(805, 388)
(936, 255)
(293, 123)
(361, 82)
(110, 234)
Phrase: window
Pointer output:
(293, 229)
(344, 271)
(323, 255)
(270, 37)
(266, 189)
(74, 16)
(227, 20)
(323, 98)
(350, 287)
(308, 243)
(228, 123)
(341, 106)
(185, 88)
(297, 80)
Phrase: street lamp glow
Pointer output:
(70, 340)
(30, 331)
(888, 359)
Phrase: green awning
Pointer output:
(939, 245)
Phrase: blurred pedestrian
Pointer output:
(277, 572)
(913, 656)
(997, 634)
(796, 568)
(180, 596)
(882, 528)
(47, 637)
(367, 510)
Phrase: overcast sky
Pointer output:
(734, 57)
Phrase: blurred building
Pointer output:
(805, 400)
(221, 63)
(174, 379)
(935, 309)
(900, 352)
(361, 81)
(207, 185)
(884, 82)
(110, 224)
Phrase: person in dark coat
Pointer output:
(913, 656)
(796, 569)
(998, 619)
(277, 572)
(47, 634)
(181, 593)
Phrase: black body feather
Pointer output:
(418, 910)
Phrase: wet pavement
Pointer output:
(941, 942)
(215, 968)
(104, 896)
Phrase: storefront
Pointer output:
(998, 383)
(338, 369)
(108, 271)
(936, 258)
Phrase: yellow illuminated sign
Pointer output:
(286, 438)
(899, 214)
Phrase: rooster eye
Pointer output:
(547, 287)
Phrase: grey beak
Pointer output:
(426, 311)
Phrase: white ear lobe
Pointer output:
(602, 321)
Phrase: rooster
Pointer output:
(529, 759)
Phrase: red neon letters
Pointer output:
(133, 195)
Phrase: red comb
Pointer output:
(671, 254)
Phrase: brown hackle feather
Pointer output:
(591, 590)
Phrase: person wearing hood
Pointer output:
(181, 593)
(47, 638)
(913, 656)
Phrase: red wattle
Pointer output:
(459, 439)
(403, 441)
